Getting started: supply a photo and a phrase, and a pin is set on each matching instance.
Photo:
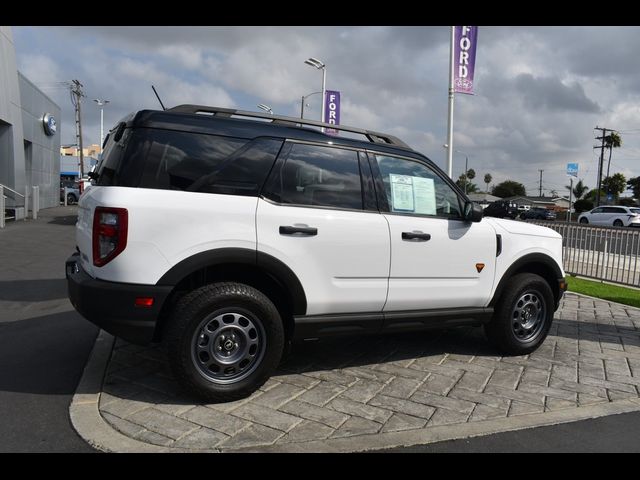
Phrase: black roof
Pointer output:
(238, 123)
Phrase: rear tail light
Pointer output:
(109, 234)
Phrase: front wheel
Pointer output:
(71, 199)
(522, 316)
(224, 341)
(584, 221)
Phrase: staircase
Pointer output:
(19, 209)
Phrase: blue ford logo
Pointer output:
(49, 123)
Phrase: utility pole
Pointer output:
(601, 147)
(466, 169)
(540, 193)
(76, 99)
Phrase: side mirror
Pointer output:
(472, 212)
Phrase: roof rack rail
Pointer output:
(374, 137)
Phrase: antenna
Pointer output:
(158, 96)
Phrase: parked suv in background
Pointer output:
(73, 191)
(617, 216)
(538, 213)
(501, 209)
(225, 235)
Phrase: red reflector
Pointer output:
(144, 302)
(107, 230)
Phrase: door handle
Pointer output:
(416, 236)
(298, 231)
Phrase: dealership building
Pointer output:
(29, 135)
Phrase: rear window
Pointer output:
(172, 160)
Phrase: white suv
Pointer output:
(617, 216)
(226, 238)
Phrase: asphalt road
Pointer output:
(612, 434)
(44, 343)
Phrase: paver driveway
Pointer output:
(362, 386)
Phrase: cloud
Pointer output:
(540, 91)
(551, 93)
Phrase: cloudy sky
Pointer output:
(539, 91)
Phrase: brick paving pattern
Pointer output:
(345, 387)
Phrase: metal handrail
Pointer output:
(11, 190)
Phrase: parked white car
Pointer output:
(617, 216)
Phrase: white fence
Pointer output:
(603, 253)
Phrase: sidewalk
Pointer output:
(354, 394)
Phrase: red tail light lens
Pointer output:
(109, 234)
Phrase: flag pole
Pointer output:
(450, 121)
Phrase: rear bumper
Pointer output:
(111, 305)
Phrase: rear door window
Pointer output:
(316, 175)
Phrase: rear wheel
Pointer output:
(224, 341)
(617, 223)
(523, 315)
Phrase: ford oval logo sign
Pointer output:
(49, 123)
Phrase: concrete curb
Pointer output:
(91, 426)
(84, 412)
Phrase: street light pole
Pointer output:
(101, 103)
(314, 62)
(466, 169)
(304, 97)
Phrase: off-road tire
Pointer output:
(201, 307)
(506, 331)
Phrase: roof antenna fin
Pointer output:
(158, 96)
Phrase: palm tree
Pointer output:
(487, 180)
(612, 141)
(579, 189)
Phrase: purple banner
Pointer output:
(332, 110)
(464, 58)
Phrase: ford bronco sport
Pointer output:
(226, 234)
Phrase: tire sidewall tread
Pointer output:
(499, 331)
(189, 312)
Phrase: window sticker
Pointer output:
(402, 193)
(413, 194)
(425, 195)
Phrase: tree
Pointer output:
(554, 193)
(487, 180)
(462, 180)
(583, 205)
(615, 184)
(471, 174)
(579, 189)
(592, 195)
(612, 141)
(634, 185)
(508, 188)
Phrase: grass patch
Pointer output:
(606, 291)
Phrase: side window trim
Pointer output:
(369, 201)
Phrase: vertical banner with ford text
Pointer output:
(464, 58)
(332, 110)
